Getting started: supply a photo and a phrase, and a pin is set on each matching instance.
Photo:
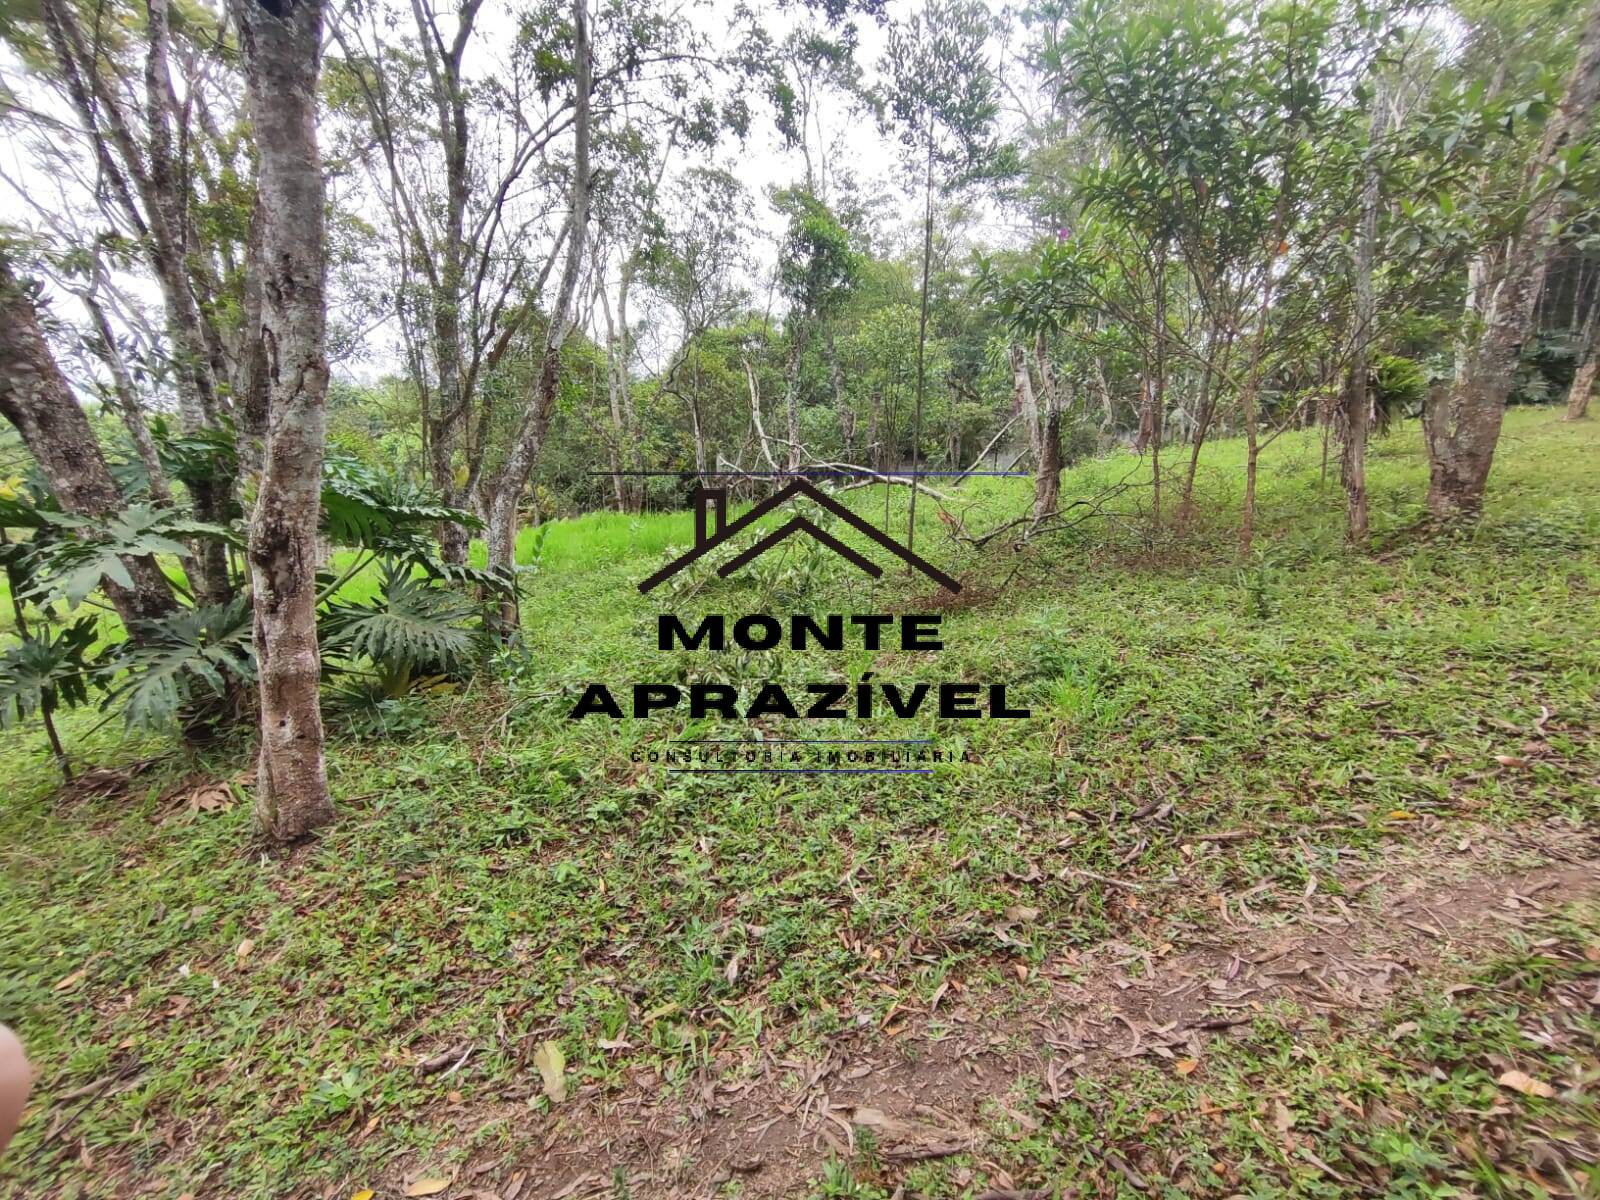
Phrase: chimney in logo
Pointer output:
(712, 528)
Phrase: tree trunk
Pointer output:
(755, 416)
(1108, 411)
(1463, 429)
(841, 406)
(1582, 387)
(1026, 400)
(922, 344)
(1047, 480)
(694, 422)
(1157, 398)
(1588, 363)
(1358, 392)
(448, 297)
(1202, 426)
(624, 441)
(1044, 442)
(791, 396)
(1252, 456)
(1353, 460)
(529, 441)
(282, 55)
(1047, 473)
(34, 397)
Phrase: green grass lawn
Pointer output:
(502, 876)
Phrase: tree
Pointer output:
(942, 93)
(817, 267)
(1588, 362)
(467, 288)
(535, 424)
(691, 273)
(1358, 399)
(35, 398)
(1462, 423)
(158, 162)
(281, 41)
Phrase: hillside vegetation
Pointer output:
(516, 896)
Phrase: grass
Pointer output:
(501, 876)
(1405, 1105)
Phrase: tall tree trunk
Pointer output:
(1041, 435)
(624, 418)
(448, 298)
(841, 406)
(1582, 388)
(529, 441)
(281, 41)
(922, 343)
(1047, 472)
(1025, 399)
(1588, 363)
(1358, 392)
(1216, 364)
(694, 422)
(1108, 409)
(34, 397)
(1157, 398)
(1463, 428)
(762, 442)
(791, 395)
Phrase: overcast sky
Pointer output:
(761, 162)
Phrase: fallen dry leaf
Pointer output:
(431, 1186)
(1517, 1081)
(244, 949)
(1282, 1118)
(1186, 1066)
(71, 980)
(552, 1066)
(1022, 912)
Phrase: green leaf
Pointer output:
(48, 670)
(183, 659)
(415, 627)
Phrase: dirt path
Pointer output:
(917, 1084)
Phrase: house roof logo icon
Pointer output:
(712, 529)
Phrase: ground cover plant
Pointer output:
(531, 963)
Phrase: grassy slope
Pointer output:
(501, 872)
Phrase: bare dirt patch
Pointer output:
(919, 1081)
